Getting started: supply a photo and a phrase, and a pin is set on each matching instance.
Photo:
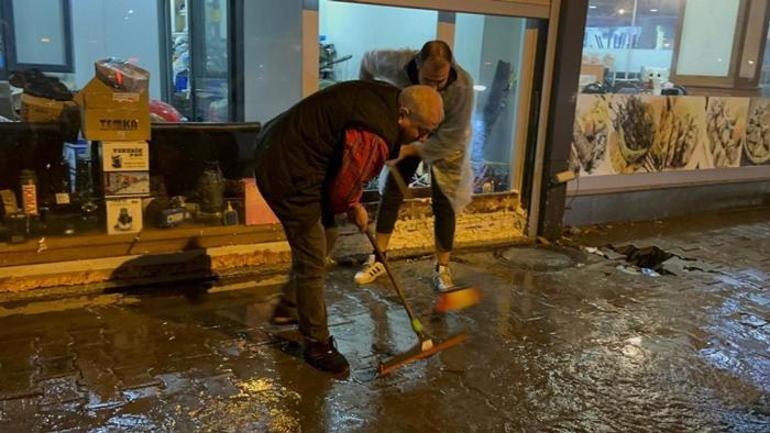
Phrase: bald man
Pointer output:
(313, 160)
(445, 152)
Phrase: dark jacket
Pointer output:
(299, 152)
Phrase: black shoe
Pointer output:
(325, 357)
(284, 315)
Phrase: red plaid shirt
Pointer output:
(363, 157)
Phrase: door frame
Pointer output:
(538, 97)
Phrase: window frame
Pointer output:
(728, 81)
(9, 38)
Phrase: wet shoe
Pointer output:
(323, 355)
(371, 271)
(442, 279)
(283, 315)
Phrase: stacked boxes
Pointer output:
(115, 110)
(125, 180)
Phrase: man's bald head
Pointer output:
(421, 112)
(424, 103)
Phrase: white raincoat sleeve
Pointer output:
(447, 150)
(386, 65)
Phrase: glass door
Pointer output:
(211, 63)
(498, 51)
(200, 40)
(491, 49)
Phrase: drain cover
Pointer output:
(538, 259)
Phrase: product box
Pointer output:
(35, 109)
(124, 215)
(110, 114)
(130, 183)
(125, 156)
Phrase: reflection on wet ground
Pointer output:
(578, 348)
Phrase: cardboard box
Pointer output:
(125, 156)
(112, 115)
(132, 183)
(35, 109)
(592, 72)
(124, 216)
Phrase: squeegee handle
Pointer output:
(381, 257)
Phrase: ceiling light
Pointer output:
(653, 10)
(592, 7)
(621, 11)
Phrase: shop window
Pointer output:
(348, 30)
(629, 42)
(708, 53)
(35, 34)
(272, 57)
(673, 106)
(156, 174)
(490, 48)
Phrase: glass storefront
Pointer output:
(272, 57)
(659, 95)
(627, 42)
(347, 31)
(187, 82)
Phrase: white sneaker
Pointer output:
(442, 279)
(371, 271)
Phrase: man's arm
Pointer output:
(364, 72)
(386, 65)
(363, 157)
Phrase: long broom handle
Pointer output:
(400, 182)
(416, 326)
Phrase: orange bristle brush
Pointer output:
(457, 299)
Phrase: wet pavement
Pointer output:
(563, 341)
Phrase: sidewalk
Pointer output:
(565, 340)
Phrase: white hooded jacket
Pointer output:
(446, 151)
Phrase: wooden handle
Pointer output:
(378, 253)
(402, 186)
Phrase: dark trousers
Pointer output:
(305, 288)
(444, 215)
(299, 210)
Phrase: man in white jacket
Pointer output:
(445, 152)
